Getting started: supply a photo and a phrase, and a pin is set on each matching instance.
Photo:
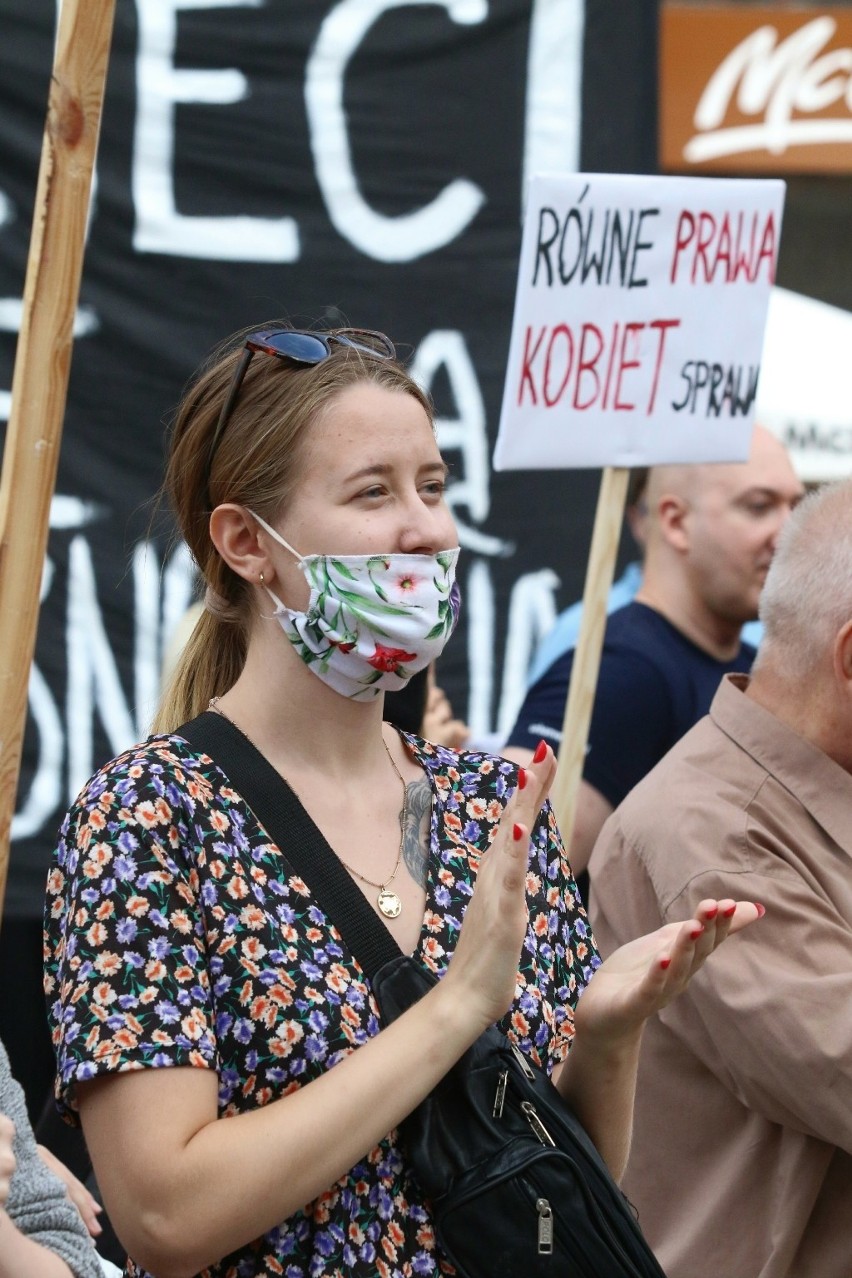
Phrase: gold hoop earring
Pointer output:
(261, 578)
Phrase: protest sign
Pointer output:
(636, 340)
(639, 320)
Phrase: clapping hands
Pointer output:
(644, 975)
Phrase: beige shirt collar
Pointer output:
(815, 780)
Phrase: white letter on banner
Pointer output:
(44, 795)
(554, 87)
(479, 604)
(386, 239)
(445, 349)
(159, 227)
(532, 612)
(161, 598)
(93, 680)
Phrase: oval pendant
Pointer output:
(389, 904)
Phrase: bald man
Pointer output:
(710, 534)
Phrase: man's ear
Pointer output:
(672, 518)
(234, 533)
(843, 659)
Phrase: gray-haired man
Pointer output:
(741, 1161)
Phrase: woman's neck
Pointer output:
(297, 720)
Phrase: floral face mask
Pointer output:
(372, 621)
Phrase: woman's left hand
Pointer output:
(644, 975)
(439, 723)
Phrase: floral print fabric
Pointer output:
(176, 935)
(372, 621)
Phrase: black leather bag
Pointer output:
(517, 1187)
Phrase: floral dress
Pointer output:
(176, 934)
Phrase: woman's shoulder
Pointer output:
(455, 764)
(159, 764)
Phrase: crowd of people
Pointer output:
(192, 976)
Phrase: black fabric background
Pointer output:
(428, 99)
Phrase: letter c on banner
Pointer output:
(386, 239)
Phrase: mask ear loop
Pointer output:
(279, 604)
(277, 537)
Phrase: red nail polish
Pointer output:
(761, 909)
(695, 933)
(517, 833)
(731, 910)
(711, 914)
(522, 778)
(664, 963)
(540, 752)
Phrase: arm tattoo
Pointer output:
(415, 836)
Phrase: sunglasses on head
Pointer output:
(300, 348)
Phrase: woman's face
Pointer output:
(372, 482)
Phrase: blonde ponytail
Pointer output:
(208, 664)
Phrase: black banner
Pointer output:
(360, 162)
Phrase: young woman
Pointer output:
(222, 1046)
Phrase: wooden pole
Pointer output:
(606, 533)
(43, 361)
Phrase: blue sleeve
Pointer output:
(543, 709)
(631, 727)
(559, 640)
(566, 628)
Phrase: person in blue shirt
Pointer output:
(563, 635)
(709, 534)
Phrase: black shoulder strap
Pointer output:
(301, 843)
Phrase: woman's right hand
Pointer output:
(8, 1163)
(85, 1202)
(484, 968)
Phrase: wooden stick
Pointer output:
(587, 658)
(43, 361)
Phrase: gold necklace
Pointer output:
(389, 903)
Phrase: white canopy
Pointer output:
(805, 389)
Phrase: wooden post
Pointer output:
(606, 533)
(42, 363)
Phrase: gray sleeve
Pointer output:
(37, 1203)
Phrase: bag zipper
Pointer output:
(531, 1115)
(545, 1227)
(522, 1061)
(500, 1097)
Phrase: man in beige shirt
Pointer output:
(741, 1164)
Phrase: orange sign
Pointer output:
(755, 89)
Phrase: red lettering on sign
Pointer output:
(565, 365)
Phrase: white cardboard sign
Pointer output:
(639, 320)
